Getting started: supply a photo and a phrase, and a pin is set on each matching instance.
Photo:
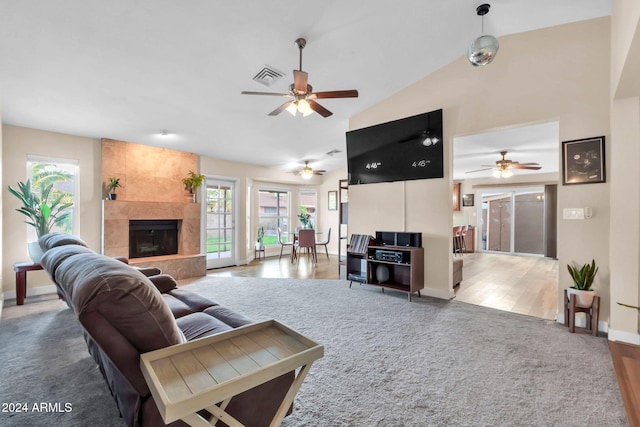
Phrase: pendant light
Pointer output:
(484, 48)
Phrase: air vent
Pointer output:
(332, 152)
(267, 75)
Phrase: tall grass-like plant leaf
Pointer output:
(584, 276)
(42, 213)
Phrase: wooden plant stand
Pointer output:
(593, 314)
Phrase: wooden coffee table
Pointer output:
(203, 373)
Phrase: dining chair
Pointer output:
(325, 242)
(283, 244)
(457, 244)
(307, 241)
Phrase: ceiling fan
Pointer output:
(302, 93)
(503, 167)
(307, 172)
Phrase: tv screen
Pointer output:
(401, 150)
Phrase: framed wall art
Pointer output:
(583, 161)
(467, 200)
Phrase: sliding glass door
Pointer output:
(513, 221)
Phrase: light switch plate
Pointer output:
(573, 213)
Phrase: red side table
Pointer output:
(21, 269)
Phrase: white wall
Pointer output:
(553, 74)
(18, 143)
(624, 172)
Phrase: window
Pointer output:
(273, 213)
(62, 174)
(308, 206)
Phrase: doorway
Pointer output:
(221, 221)
(517, 221)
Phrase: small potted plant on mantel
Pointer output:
(582, 282)
(192, 182)
(111, 187)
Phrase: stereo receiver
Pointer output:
(393, 256)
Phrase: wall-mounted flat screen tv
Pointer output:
(401, 150)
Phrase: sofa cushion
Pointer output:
(52, 258)
(177, 307)
(163, 282)
(123, 296)
(229, 317)
(195, 301)
(52, 240)
(200, 325)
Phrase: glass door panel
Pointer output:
(220, 233)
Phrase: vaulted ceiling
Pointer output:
(128, 70)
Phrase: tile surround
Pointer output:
(152, 188)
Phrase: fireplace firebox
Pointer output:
(153, 237)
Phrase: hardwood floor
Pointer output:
(519, 284)
(626, 361)
(274, 267)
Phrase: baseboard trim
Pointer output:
(437, 293)
(38, 290)
(624, 336)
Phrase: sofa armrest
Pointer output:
(163, 282)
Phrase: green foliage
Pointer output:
(113, 184)
(192, 181)
(305, 217)
(260, 234)
(583, 277)
(43, 207)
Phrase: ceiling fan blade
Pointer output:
(280, 109)
(520, 166)
(244, 92)
(529, 164)
(480, 170)
(335, 94)
(319, 108)
(300, 81)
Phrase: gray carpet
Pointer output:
(387, 362)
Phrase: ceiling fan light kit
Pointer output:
(303, 101)
(307, 172)
(483, 49)
(504, 166)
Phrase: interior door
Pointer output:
(221, 220)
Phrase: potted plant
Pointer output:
(305, 218)
(582, 281)
(111, 187)
(43, 208)
(192, 182)
(260, 239)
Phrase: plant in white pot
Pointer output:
(43, 207)
(260, 239)
(582, 282)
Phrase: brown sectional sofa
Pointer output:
(124, 314)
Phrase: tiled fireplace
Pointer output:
(187, 262)
(152, 191)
